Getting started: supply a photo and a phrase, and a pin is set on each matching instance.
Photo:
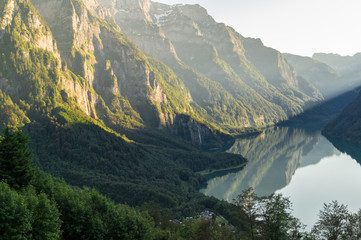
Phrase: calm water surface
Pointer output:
(301, 164)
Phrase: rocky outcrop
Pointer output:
(199, 134)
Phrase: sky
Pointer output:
(301, 27)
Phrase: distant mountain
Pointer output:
(348, 124)
(321, 75)
(348, 67)
(339, 63)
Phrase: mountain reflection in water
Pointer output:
(300, 164)
(273, 159)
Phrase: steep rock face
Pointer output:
(237, 52)
(112, 65)
(322, 76)
(199, 133)
(37, 32)
(21, 24)
(210, 59)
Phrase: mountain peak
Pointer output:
(134, 9)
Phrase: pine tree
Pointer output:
(15, 157)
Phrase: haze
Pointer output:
(295, 26)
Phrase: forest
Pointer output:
(35, 205)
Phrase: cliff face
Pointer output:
(216, 63)
(25, 30)
(85, 62)
(110, 63)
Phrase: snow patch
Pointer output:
(160, 18)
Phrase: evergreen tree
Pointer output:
(45, 216)
(15, 156)
(14, 216)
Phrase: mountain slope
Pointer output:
(348, 67)
(348, 124)
(322, 76)
(50, 94)
(211, 60)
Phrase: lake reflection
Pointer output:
(300, 164)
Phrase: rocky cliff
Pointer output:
(63, 53)
(213, 62)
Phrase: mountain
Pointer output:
(339, 63)
(348, 67)
(321, 75)
(76, 85)
(348, 124)
(236, 80)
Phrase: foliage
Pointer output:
(268, 217)
(10, 113)
(45, 216)
(15, 157)
(276, 219)
(248, 201)
(14, 216)
(332, 221)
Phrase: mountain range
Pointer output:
(124, 95)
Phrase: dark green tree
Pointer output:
(45, 217)
(15, 218)
(15, 159)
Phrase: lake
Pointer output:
(299, 163)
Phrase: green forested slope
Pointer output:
(348, 124)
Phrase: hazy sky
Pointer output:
(294, 26)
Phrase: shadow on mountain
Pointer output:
(318, 116)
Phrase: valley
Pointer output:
(161, 105)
